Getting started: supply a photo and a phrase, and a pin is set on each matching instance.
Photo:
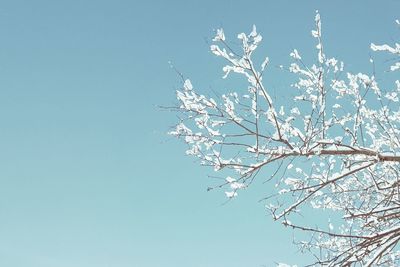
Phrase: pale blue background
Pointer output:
(88, 177)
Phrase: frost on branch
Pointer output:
(334, 148)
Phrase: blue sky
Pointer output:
(88, 176)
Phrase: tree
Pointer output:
(335, 147)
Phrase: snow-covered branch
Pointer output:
(344, 124)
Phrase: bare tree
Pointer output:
(334, 147)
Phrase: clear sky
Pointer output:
(88, 177)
